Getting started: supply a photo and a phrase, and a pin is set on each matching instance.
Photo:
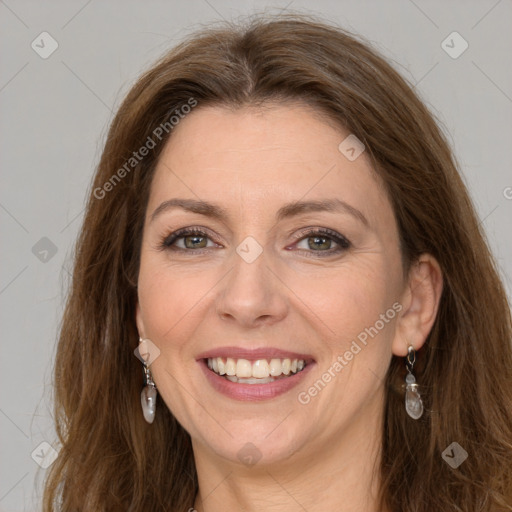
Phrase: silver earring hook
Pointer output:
(410, 359)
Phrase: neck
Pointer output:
(343, 474)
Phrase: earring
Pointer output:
(413, 403)
(148, 394)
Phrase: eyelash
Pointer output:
(342, 242)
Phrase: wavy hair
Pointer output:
(110, 458)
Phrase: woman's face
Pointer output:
(269, 285)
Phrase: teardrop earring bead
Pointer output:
(413, 403)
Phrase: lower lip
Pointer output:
(253, 392)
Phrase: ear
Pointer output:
(139, 321)
(420, 305)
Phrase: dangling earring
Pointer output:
(413, 403)
(148, 394)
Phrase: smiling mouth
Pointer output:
(260, 371)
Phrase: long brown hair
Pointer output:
(110, 458)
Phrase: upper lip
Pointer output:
(253, 354)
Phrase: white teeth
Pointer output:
(230, 366)
(252, 380)
(276, 367)
(260, 371)
(243, 368)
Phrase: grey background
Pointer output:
(54, 117)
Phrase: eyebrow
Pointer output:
(289, 210)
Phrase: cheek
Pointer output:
(351, 302)
(168, 302)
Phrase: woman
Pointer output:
(277, 230)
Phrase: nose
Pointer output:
(252, 295)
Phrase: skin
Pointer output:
(323, 455)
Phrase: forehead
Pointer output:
(253, 158)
